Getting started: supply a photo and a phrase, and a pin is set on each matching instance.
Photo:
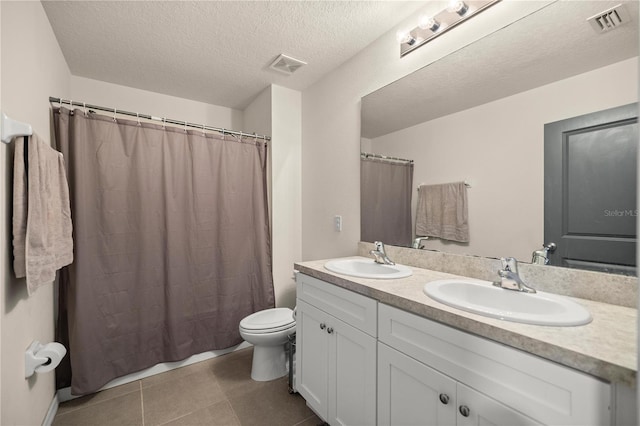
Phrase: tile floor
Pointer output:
(218, 391)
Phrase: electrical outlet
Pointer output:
(337, 223)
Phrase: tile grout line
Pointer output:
(233, 410)
(141, 401)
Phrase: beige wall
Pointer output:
(277, 112)
(286, 118)
(331, 124)
(33, 69)
(500, 150)
(136, 100)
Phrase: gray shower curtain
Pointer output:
(385, 201)
(172, 243)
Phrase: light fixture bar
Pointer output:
(459, 11)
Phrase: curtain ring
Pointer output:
(185, 127)
(71, 106)
(115, 111)
(203, 134)
(163, 123)
(223, 133)
(84, 107)
(138, 116)
(255, 138)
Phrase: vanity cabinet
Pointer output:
(336, 352)
(497, 384)
(411, 393)
(361, 362)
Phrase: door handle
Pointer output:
(464, 410)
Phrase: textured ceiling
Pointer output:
(217, 52)
(551, 44)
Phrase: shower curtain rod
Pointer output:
(384, 157)
(161, 119)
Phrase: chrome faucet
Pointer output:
(380, 255)
(541, 257)
(509, 278)
(417, 243)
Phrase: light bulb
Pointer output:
(428, 23)
(458, 6)
(405, 37)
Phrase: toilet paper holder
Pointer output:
(39, 358)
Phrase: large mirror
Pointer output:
(478, 116)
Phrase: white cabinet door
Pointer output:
(352, 375)
(312, 352)
(411, 393)
(476, 409)
(336, 368)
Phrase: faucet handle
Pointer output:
(510, 264)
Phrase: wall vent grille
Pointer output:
(609, 19)
(286, 64)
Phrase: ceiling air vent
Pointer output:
(286, 64)
(609, 19)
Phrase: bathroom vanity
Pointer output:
(381, 352)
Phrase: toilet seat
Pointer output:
(268, 321)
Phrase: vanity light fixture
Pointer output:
(430, 27)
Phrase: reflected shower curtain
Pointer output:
(172, 244)
(385, 201)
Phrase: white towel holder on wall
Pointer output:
(467, 182)
(12, 128)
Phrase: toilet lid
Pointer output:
(269, 320)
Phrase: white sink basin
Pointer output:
(368, 268)
(481, 297)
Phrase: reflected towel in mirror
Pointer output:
(442, 211)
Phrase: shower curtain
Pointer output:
(385, 201)
(172, 244)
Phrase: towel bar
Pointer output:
(467, 183)
(12, 128)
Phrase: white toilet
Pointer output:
(268, 331)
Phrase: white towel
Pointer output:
(42, 228)
(442, 212)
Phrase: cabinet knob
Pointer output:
(330, 330)
(444, 398)
(323, 326)
(464, 410)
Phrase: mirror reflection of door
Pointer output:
(590, 186)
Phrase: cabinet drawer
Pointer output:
(541, 389)
(354, 309)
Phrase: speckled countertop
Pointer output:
(605, 348)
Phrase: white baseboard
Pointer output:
(64, 394)
(51, 413)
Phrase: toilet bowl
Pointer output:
(268, 331)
